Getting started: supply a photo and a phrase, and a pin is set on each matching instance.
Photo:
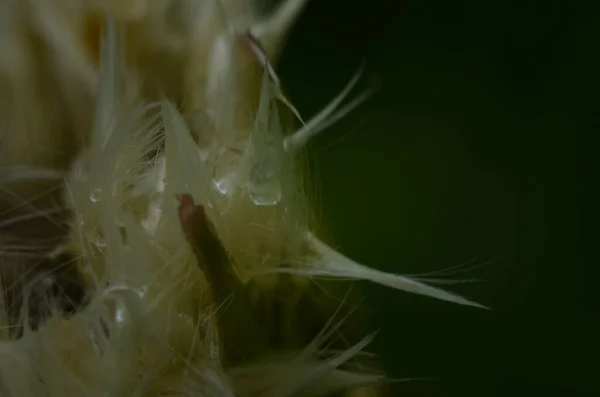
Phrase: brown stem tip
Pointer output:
(214, 261)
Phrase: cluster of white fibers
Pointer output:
(150, 189)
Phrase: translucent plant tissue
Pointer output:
(154, 232)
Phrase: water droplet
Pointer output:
(120, 315)
(222, 186)
(98, 241)
(265, 195)
(95, 195)
(141, 292)
(264, 187)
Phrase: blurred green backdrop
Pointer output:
(472, 150)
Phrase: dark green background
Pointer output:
(474, 149)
